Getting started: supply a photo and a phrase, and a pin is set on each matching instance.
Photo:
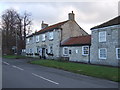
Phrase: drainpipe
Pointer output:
(60, 43)
(89, 56)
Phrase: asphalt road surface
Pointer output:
(17, 73)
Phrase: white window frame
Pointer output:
(28, 40)
(30, 50)
(43, 37)
(83, 51)
(37, 49)
(102, 36)
(50, 35)
(23, 50)
(37, 38)
(76, 51)
(64, 51)
(40, 51)
(50, 50)
(117, 53)
(105, 51)
(26, 50)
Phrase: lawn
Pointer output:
(110, 73)
(13, 56)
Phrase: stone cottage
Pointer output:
(50, 42)
(105, 43)
(77, 49)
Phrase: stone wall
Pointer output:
(111, 44)
(71, 29)
(76, 54)
(45, 44)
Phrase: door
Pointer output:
(43, 53)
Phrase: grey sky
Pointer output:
(87, 14)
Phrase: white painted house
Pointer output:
(48, 42)
(67, 40)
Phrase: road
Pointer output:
(17, 73)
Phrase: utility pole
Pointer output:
(16, 42)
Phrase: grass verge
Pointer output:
(110, 73)
(14, 56)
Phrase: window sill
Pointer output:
(118, 58)
(103, 58)
(102, 42)
(50, 39)
(43, 41)
(85, 54)
(65, 55)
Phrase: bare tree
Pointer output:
(26, 24)
(14, 27)
(8, 29)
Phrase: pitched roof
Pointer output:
(114, 21)
(30, 35)
(49, 28)
(76, 41)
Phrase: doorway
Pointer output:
(43, 53)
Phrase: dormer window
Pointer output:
(50, 35)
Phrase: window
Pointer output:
(37, 38)
(27, 51)
(50, 35)
(28, 40)
(38, 49)
(76, 51)
(23, 50)
(69, 51)
(118, 53)
(65, 51)
(50, 49)
(102, 36)
(43, 37)
(102, 53)
(31, 51)
(85, 50)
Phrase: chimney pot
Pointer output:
(71, 16)
(43, 25)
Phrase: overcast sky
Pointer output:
(87, 14)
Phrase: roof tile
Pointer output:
(52, 27)
(80, 40)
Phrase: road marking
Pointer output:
(6, 63)
(45, 78)
(17, 67)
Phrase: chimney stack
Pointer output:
(43, 25)
(71, 16)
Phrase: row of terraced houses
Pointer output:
(68, 41)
